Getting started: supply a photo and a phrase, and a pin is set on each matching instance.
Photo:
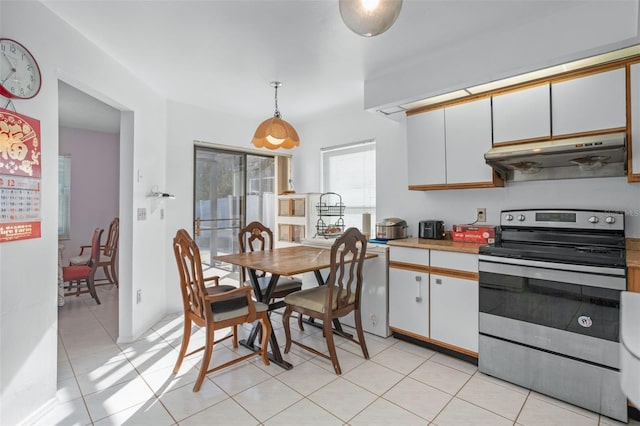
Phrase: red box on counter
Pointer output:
(474, 234)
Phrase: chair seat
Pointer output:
(314, 298)
(225, 305)
(74, 273)
(283, 284)
(84, 259)
(225, 315)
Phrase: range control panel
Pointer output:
(558, 218)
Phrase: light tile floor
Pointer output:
(103, 383)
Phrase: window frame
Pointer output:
(64, 196)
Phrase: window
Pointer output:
(64, 192)
(350, 170)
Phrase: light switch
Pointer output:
(142, 213)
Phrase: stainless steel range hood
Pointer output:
(584, 157)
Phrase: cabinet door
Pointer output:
(454, 311)
(425, 148)
(409, 301)
(594, 102)
(635, 119)
(468, 137)
(521, 115)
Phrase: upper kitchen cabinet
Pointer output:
(592, 103)
(524, 115)
(426, 148)
(468, 137)
(634, 165)
(446, 146)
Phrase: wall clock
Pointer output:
(19, 72)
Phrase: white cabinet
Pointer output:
(635, 119)
(433, 296)
(454, 311)
(593, 102)
(409, 301)
(296, 218)
(468, 137)
(426, 148)
(409, 290)
(522, 115)
(409, 255)
(445, 147)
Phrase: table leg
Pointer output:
(275, 355)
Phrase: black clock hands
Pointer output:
(13, 69)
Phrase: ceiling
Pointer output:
(221, 55)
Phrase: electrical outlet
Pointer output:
(139, 296)
(481, 215)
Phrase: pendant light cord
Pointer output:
(276, 113)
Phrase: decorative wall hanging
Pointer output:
(20, 175)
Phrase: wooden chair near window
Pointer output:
(108, 255)
(81, 278)
(339, 297)
(214, 308)
(255, 236)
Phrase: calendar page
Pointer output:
(20, 174)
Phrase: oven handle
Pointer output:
(620, 272)
(570, 277)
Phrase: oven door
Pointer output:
(553, 306)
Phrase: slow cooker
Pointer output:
(391, 228)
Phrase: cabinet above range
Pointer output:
(579, 104)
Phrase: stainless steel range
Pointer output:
(550, 305)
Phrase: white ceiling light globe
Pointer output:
(369, 18)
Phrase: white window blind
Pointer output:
(350, 170)
(64, 192)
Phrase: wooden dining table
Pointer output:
(286, 261)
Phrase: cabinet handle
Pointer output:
(438, 280)
(418, 294)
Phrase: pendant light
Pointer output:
(369, 18)
(274, 132)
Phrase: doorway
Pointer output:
(231, 189)
(90, 139)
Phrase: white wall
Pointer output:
(453, 206)
(189, 124)
(28, 308)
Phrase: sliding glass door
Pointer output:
(231, 190)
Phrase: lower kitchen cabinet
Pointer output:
(454, 311)
(409, 301)
(433, 297)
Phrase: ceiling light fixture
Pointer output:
(274, 132)
(369, 18)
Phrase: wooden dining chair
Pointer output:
(254, 237)
(81, 278)
(214, 308)
(339, 297)
(108, 255)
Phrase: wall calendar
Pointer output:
(20, 175)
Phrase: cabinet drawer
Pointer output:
(409, 255)
(453, 260)
(291, 207)
(290, 233)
